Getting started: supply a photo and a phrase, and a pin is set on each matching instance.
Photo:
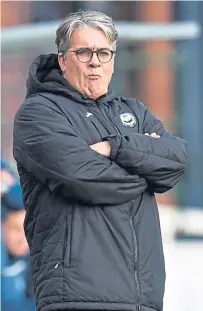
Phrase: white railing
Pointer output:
(31, 35)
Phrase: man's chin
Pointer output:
(94, 92)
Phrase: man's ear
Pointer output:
(61, 61)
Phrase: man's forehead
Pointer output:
(93, 46)
(89, 38)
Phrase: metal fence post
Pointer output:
(191, 93)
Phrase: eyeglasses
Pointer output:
(85, 55)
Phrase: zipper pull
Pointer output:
(58, 263)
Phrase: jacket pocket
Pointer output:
(67, 239)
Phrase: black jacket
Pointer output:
(92, 222)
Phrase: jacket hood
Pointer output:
(45, 76)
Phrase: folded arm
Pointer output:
(46, 145)
(162, 161)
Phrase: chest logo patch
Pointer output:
(128, 119)
(88, 114)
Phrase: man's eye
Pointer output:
(83, 52)
(104, 52)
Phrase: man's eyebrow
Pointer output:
(87, 47)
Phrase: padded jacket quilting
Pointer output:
(92, 222)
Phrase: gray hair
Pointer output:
(82, 19)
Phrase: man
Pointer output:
(89, 164)
(16, 284)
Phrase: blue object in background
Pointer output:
(11, 193)
(191, 97)
(16, 285)
(16, 282)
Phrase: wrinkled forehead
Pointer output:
(88, 37)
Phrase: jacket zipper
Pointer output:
(106, 118)
(131, 219)
(136, 261)
(65, 244)
(58, 263)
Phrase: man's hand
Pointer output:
(153, 135)
(102, 148)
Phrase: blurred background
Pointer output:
(159, 61)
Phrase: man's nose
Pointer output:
(94, 61)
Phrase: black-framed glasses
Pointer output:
(84, 55)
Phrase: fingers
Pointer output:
(153, 135)
(102, 148)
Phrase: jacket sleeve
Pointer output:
(162, 161)
(47, 146)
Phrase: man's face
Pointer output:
(14, 235)
(91, 79)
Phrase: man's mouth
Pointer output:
(94, 77)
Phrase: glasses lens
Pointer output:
(84, 55)
(104, 56)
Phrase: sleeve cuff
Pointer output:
(114, 141)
